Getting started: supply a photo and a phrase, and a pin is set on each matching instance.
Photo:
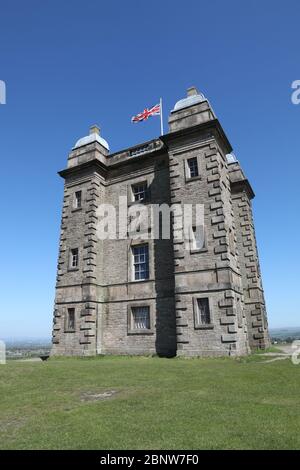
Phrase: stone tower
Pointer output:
(147, 295)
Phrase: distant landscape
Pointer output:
(284, 335)
(26, 347)
(34, 347)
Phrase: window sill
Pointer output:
(202, 250)
(73, 269)
(76, 209)
(194, 178)
(142, 202)
(70, 331)
(140, 332)
(140, 280)
(209, 326)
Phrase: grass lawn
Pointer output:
(159, 404)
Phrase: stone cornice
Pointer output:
(242, 186)
(214, 123)
(94, 165)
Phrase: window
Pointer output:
(239, 312)
(140, 191)
(140, 262)
(140, 318)
(74, 258)
(202, 312)
(231, 242)
(78, 199)
(193, 167)
(71, 319)
(197, 238)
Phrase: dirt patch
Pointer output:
(280, 358)
(11, 424)
(92, 396)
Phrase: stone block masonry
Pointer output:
(202, 300)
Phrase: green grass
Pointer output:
(160, 404)
(271, 349)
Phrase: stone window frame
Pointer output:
(66, 319)
(147, 264)
(239, 312)
(133, 243)
(189, 178)
(143, 191)
(203, 326)
(70, 267)
(139, 231)
(75, 199)
(133, 331)
(204, 249)
(231, 240)
(74, 207)
(130, 194)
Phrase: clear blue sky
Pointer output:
(68, 65)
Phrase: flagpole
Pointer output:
(161, 118)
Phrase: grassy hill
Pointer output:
(150, 403)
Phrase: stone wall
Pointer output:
(122, 291)
(102, 290)
(255, 308)
(79, 288)
(213, 272)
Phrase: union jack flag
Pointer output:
(154, 111)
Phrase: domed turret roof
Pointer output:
(94, 136)
(193, 97)
(231, 158)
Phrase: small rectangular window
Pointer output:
(78, 199)
(71, 319)
(231, 241)
(74, 258)
(140, 191)
(140, 262)
(202, 312)
(140, 318)
(197, 238)
(193, 167)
